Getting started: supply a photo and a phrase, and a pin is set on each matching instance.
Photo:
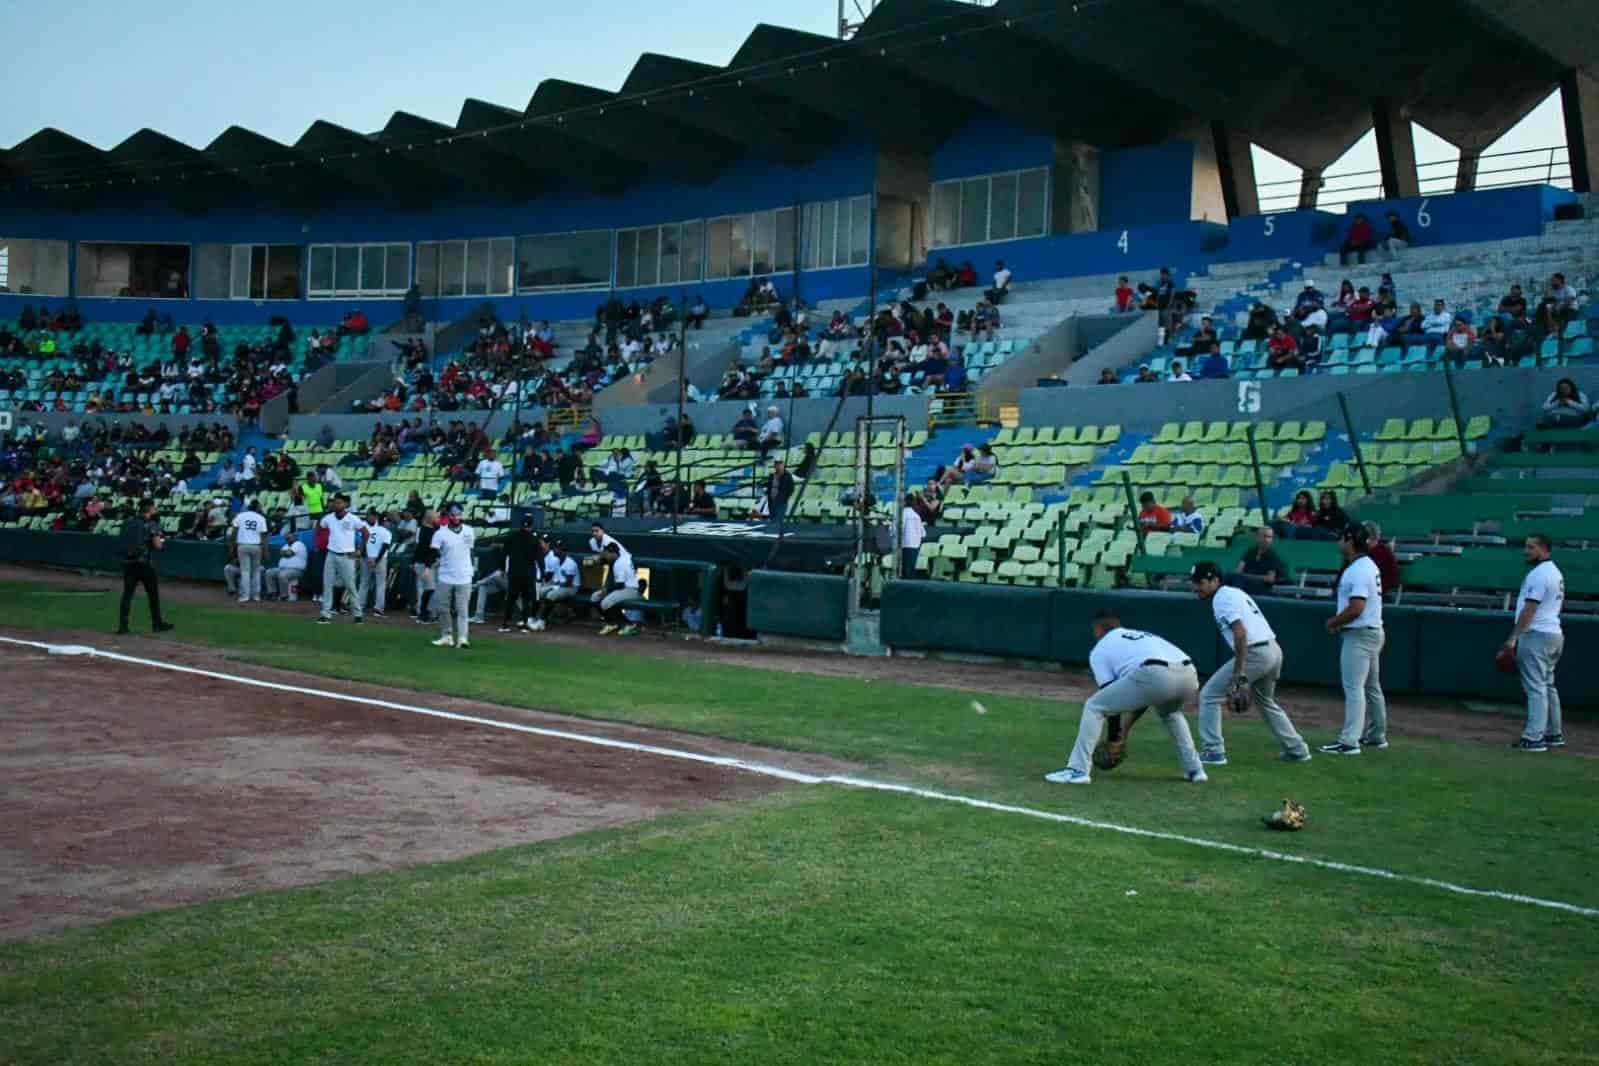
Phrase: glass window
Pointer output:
(212, 269)
(320, 275)
(579, 260)
(739, 253)
(719, 248)
(502, 266)
(836, 232)
(783, 254)
(283, 272)
(1031, 204)
(946, 213)
(860, 230)
(974, 211)
(33, 267)
(626, 258)
(427, 268)
(649, 252)
(339, 270)
(1002, 207)
(137, 271)
(397, 274)
(762, 239)
(693, 250)
(452, 268)
(372, 263)
(347, 269)
(671, 254)
(477, 267)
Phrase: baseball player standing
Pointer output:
(1537, 641)
(1358, 624)
(454, 543)
(1135, 671)
(339, 567)
(375, 562)
(249, 537)
(1256, 665)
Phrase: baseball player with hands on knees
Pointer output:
(1135, 671)
(1536, 642)
(1358, 624)
(1250, 676)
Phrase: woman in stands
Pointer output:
(1301, 516)
(1330, 521)
(1566, 408)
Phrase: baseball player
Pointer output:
(1135, 671)
(561, 580)
(621, 588)
(248, 537)
(284, 579)
(338, 569)
(1358, 624)
(1537, 641)
(1255, 667)
(374, 578)
(454, 544)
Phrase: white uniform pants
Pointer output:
(1164, 688)
(1263, 666)
(1537, 655)
(1359, 665)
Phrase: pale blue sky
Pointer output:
(191, 69)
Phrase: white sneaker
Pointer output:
(444, 642)
(537, 625)
(1197, 777)
(463, 644)
(1068, 776)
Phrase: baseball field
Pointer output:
(258, 840)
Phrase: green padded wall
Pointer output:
(797, 605)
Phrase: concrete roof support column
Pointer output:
(1309, 187)
(1466, 169)
(1396, 150)
(1236, 165)
(1579, 100)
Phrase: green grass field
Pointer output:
(826, 924)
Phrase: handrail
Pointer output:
(1551, 167)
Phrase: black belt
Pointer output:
(1260, 644)
(1163, 662)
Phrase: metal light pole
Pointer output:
(682, 395)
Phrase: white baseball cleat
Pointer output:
(1068, 776)
(1197, 777)
(444, 642)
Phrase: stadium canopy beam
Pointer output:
(184, 176)
(546, 149)
(630, 129)
(276, 172)
(1579, 102)
(708, 99)
(472, 161)
(1018, 74)
(404, 185)
(1396, 150)
(58, 170)
(854, 88)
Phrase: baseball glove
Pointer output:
(1108, 756)
(1290, 817)
(1505, 659)
(1238, 696)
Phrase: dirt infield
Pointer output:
(129, 788)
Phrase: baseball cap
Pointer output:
(527, 521)
(1205, 570)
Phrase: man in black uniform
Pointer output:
(141, 538)
(524, 570)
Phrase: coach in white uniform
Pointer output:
(454, 545)
(339, 568)
(1538, 640)
(290, 570)
(1358, 623)
(375, 562)
(1134, 670)
(249, 535)
(1256, 657)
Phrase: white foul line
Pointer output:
(798, 777)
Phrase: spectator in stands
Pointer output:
(1493, 343)
(985, 321)
(1346, 295)
(1460, 343)
(1125, 296)
(1436, 325)
(1107, 376)
(1146, 375)
(1001, 289)
(1261, 568)
(1215, 367)
(1398, 238)
(928, 502)
(1359, 239)
(745, 432)
(1514, 305)
(1178, 373)
(702, 504)
(1262, 320)
(779, 490)
(1309, 299)
(1152, 517)
(1283, 351)
(1157, 297)
(1188, 518)
(967, 276)
(984, 467)
(1559, 306)
(1359, 311)
(1408, 328)
(1383, 555)
(1330, 520)
(912, 532)
(955, 473)
(1566, 408)
(942, 276)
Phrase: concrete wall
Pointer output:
(1125, 337)
(55, 422)
(803, 417)
(1511, 397)
(359, 427)
(354, 381)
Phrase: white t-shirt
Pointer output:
(377, 538)
(562, 572)
(1231, 605)
(250, 528)
(342, 531)
(1362, 579)
(1121, 651)
(294, 555)
(1545, 584)
(623, 573)
(455, 555)
(597, 546)
(1001, 278)
(247, 465)
(488, 474)
(912, 532)
(773, 430)
(1188, 522)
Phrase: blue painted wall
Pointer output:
(989, 144)
(1145, 185)
(1284, 235)
(1491, 215)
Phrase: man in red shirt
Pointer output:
(1153, 518)
(1283, 350)
(1360, 239)
(1124, 295)
(1360, 308)
(1383, 556)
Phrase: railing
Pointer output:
(567, 417)
(1498, 170)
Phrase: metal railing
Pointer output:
(1497, 170)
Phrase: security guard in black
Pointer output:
(141, 539)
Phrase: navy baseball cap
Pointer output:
(1205, 570)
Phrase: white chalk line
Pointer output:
(800, 777)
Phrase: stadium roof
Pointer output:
(1299, 79)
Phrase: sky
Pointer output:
(191, 69)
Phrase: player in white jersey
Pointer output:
(248, 536)
(1537, 641)
(1358, 624)
(1256, 665)
(1135, 671)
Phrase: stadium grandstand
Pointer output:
(1038, 305)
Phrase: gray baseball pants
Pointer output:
(336, 571)
(1263, 667)
(1537, 655)
(1365, 709)
(454, 604)
(375, 581)
(249, 572)
(1165, 688)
